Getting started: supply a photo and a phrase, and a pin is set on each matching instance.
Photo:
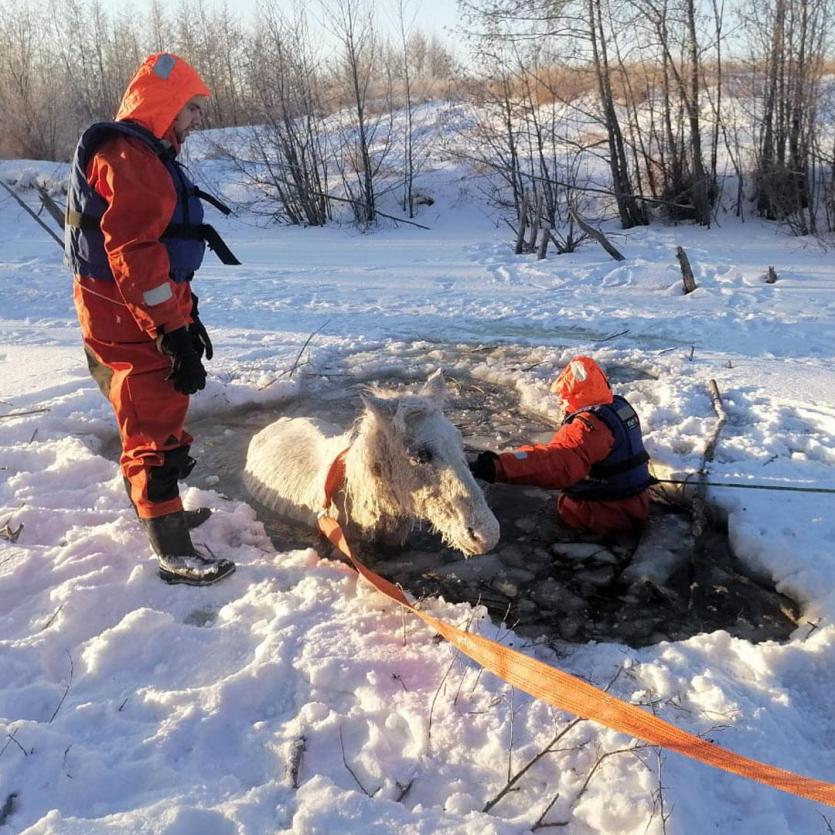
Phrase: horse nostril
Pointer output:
(472, 534)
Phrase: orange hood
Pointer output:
(582, 383)
(159, 90)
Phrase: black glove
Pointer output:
(199, 336)
(187, 372)
(484, 467)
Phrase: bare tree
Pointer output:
(31, 127)
(351, 23)
(579, 31)
(405, 22)
(789, 41)
(630, 210)
(674, 42)
(287, 160)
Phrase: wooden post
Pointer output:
(51, 207)
(543, 244)
(523, 220)
(771, 276)
(698, 506)
(536, 221)
(686, 271)
(32, 215)
(598, 236)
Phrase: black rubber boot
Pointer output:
(179, 561)
(194, 518)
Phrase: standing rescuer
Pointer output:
(596, 458)
(134, 238)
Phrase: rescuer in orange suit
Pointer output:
(596, 458)
(134, 237)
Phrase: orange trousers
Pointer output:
(622, 516)
(150, 413)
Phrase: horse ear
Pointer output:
(435, 387)
(383, 407)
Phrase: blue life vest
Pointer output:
(185, 237)
(624, 471)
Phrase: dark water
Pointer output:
(541, 579)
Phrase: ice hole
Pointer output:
(537, 580)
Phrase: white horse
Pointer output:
(405, 463)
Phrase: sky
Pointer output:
(430, 15)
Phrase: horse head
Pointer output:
(417, 456)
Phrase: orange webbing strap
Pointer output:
(334, 478)
(571, 694)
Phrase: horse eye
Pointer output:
(423, 455)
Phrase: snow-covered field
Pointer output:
(127, 705)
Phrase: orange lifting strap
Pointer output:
(569, 693)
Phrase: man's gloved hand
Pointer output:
(199, 336)
(484, 467)
(187, 372)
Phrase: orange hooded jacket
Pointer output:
(118, 323)
(568, 457)
(142, 199)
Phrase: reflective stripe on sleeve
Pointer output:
(158, 295)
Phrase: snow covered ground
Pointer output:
(130, 706)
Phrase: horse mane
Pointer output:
(373, 479)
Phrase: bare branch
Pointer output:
(67, 690)
(351, 771)
(33, 215)
(296, 754)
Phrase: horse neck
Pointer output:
(369, 478)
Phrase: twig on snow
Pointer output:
(402, 621)
(540, 823)
(52, 618)
(548, 749)
(404, 790)
(510, 743)
(630, 749)
(295, 364)
(33, 215)
(8, 534)
(658, 797)
(7, 808)
(614, 335)
(351, 771)
(296, 754)
(11, 738)
(812, 627)
(67, 690)
(698, 504)
(23, 414)
(435, 699)
(67, 751)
